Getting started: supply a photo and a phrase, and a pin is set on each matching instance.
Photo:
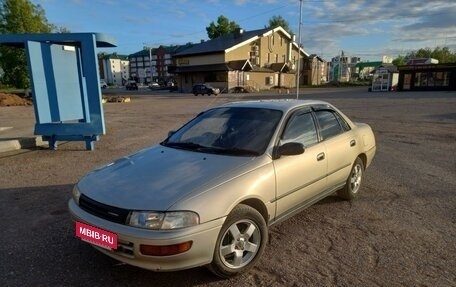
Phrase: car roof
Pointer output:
(282, 105)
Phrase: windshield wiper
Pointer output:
(216, 150)
(184, 145)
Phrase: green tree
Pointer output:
(277, 21)
(444, 55)
(224, 26)
(400, 60)
(19, 16)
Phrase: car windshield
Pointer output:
(228, 130)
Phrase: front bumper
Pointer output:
(130, 238)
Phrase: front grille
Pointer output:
(111, 213)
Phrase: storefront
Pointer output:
(430, 77)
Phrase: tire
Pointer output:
(240, 243)
(195, 94)
(351, 189)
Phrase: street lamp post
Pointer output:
(299, 50)
(146, 46)
(150, 65)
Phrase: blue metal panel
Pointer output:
(38, 81)
(90, 72)
(66, 79)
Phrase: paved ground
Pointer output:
(400, 232)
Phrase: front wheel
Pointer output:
(240, 243)
(351, 189)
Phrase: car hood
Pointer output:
(156, 178)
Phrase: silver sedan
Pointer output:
(208, 193)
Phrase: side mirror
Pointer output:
(170, 133)
(292, 148)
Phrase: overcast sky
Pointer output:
(364, 28)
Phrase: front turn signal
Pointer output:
(165, 250)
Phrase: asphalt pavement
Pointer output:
(401, 231)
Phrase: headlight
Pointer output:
(180, 219)
(76, 193)
(163, 220)
(144, 219)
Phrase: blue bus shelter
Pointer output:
(65, 84)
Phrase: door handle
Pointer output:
(321, 156)
(352, 143)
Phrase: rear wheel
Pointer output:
(354, 180)
(240, 243)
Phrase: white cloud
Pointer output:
(398, 23)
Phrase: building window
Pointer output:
(431, 79)
(441, 79)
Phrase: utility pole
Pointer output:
(150, 64)
(340, 66)
(299, 50)
(149, 47)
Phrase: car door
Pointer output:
(299, 178)
(340, 144)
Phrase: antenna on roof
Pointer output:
(238, 32)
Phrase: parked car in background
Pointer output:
(208, 194)
(154, 86)
(205, 89)
(103, 84)
(131, 85)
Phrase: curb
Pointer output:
(21, 143)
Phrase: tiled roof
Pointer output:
(169, 50)
(280, 67)
(142, 53)
(390, 67)
(221, 43)
(240, 65)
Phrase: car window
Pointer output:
(342, 122)
(329, 125)
(300, 128)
